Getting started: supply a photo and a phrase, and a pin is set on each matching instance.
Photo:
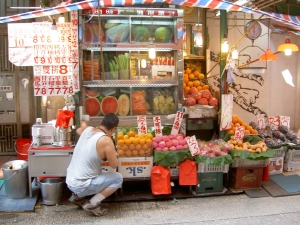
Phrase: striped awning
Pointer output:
(292, 21)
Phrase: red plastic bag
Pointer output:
(160, 180)
(63, 118)
(188, 173)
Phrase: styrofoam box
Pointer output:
(200, 111)
(132, 167)
(239, 162)
(291, 166)
(275, 165)
(174, 170)
(106, 168)
(279, 152)
(292, 155)
(206, 168)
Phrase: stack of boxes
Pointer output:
(275, 164)
(292, 160)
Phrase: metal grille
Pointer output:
(8, 135)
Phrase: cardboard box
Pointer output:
(135, 167)
(289, 166)
(292, 155)
(275, 165)
(174, 170)
(106, 168)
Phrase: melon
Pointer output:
(140, 34)
(109, 104)
(91, 93)
(92, 106)
(124, 105)
(162, 34)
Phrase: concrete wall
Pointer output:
(254, 94)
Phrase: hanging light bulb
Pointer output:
(225, 46)
(288, 47)
(152, 52)
(198, 41)
(235, 54)
(61, 19)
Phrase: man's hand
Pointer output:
(81, 128)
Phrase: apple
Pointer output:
(172, 148)
(169, 144)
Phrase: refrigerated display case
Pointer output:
(117, 73)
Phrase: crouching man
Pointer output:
(84, 174)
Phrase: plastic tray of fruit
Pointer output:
(135, 150)
(239, 162)
(206, 168)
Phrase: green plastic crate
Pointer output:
(209, 182)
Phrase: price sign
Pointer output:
(142, 125)
(157, 126)
(239, 133)
(177, 123)
(193, 145)
(285, 121)
(226, 117)
(75, 50)
(261, 121)
(274, 122)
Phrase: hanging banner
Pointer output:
(193, 145)
(75, 50)
(177, 123)
(52, 59)
(20, 45)
(261, 121)
(142, 125)
(226, 116)
(157, 126)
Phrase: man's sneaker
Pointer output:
(96, 210)
(80, 201)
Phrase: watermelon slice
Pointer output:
(92, 106)
(109, 104)
(91, 93)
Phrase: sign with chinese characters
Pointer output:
(20, 45)
(75, 50)
(239, 133)
(177, 123)
(142, 125)
(285, 121)
(274, 122)
(193, 145)
(226, 116)
(261, 121)
(157, 126)
(53, 63)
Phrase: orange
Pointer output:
(138, 147)
(196, 83)
(145, 146)
(184, 85)
(185, 80)
(135, 141)
(188, 71)
(230, 132)
(205, 87)
(186, 76)
(128, 153)
(191, 76)
(234, 119)
(142, 141)
(199, 88)
(135, 153)
(121, 142)
(150, 136)
(131, 133)
(201, 76)
(148, 141)
(249, 128)
(142, 152)
(132, 147)
(190, 84)
(196, 73)
(127, 141)
(247, 131)
(126, 137)
(187, 88)
(124, 147)
(253, 131)
(136, 136)
(120, 136)
(121, 152)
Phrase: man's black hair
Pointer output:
(110, 121)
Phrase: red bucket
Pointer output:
(21, 147)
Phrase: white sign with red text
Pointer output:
(274, 122)
(75, 49)
(142, 125)
(20, 45)
(177, 123)
(226, 116)
(239, 133)
(157, 126)
(261, 121)
(285, 121)
(193, 145)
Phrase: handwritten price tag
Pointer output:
(285, 121)
(142, 125)
(177, 123)
(261, 121)
(274, 122)
(157, 126)
(193, 145)
(239, 133)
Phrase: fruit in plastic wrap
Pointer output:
(283, 129)
(279, 135)
(163, 35)
(118, 34)
(278, 141)
(254, 126)
(291, 135)
(140, 34)
(265, 133)
(269, 141)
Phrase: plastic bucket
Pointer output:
(15, 176)
(51, 189)
(21, 147)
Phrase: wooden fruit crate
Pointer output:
(245, 177)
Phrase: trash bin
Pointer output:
(51, 189)
(15, 176)
(21, 147)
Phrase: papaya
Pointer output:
(124, 105)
